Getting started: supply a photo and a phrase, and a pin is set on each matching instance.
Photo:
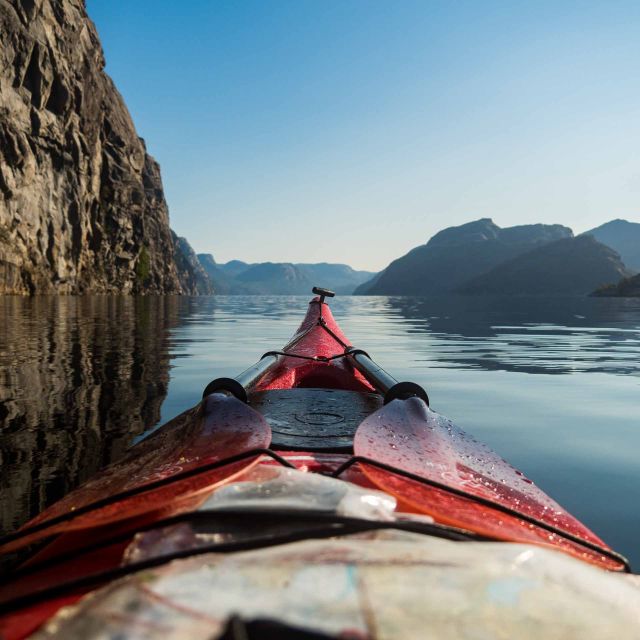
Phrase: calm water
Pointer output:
(552, 385)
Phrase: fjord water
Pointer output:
(552, 384)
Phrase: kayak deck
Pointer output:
(317, 419)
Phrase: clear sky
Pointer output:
(353, 130)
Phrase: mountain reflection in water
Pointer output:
(529, 335)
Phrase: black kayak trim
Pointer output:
(609, 553)
(276, 515)
(135, 491)
(332, 526)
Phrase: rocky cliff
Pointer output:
(191, 273)
(82, 207)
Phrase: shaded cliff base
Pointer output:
(626, 288)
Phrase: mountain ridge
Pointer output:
(457, 254)
(570, 266)
(622, 236)
(285, 278)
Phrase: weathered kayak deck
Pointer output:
(311, 494)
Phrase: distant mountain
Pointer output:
(622, 236)
(241, 278)
(274, 278)
(341, 278)
(457, 254)
(189, 267)
(626, 288)
(567, 266)
(234, 267)
(219, 279)
(207, 261)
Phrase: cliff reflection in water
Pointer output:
(79, 376)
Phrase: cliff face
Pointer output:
(81, 202)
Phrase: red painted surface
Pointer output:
(409, 436)
(21, 624)
(312, 340)
(222, 427)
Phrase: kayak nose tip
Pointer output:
(323, 293)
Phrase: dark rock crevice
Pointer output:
(58, 97)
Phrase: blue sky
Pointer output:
(351, 131)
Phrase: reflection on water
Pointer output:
(80, 378)
(530, 335)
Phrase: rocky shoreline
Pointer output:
(626, 288)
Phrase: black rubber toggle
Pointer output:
(323, 293)
(404, 390)
(226, 384)
(352, 351)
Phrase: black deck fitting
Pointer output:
(323, 293)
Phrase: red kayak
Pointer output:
(315, 418)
